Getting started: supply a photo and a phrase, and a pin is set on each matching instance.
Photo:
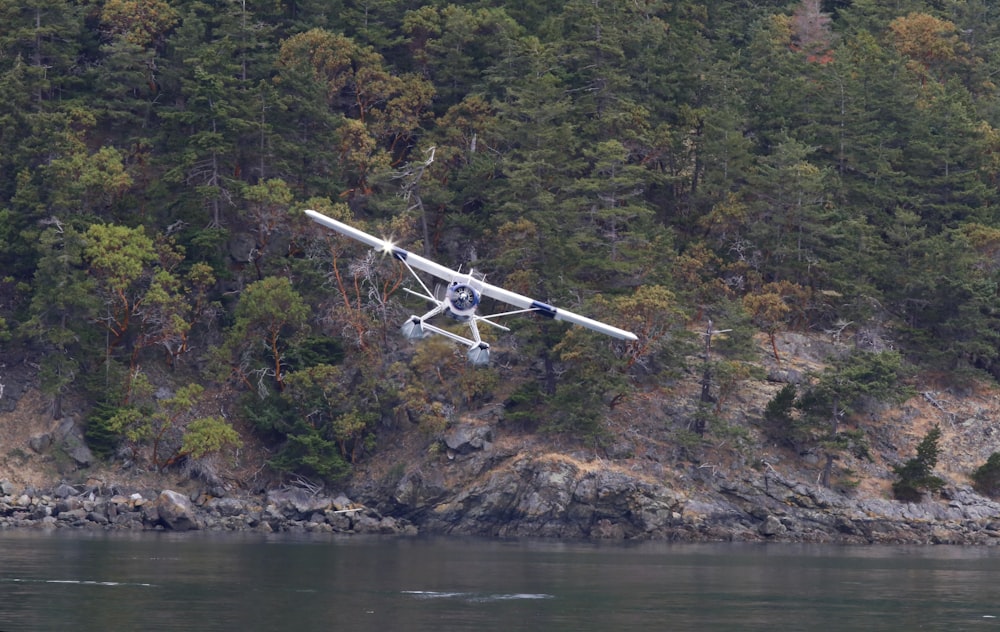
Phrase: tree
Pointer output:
(62, 308)
(851, 383)
(926, 41)
(43, 35)
(267, 213)
(212, 113)
(127, 76)
(791, 199)
(917, 474)
(811, 31)
(986, 478)
(374, 112)
(270, 316)
(768, 311)
(173, 431)
(613, 217)
(455, 46)
(120, 260)
(654, 315)
(323, 397)
(88, 182)
(171, 307)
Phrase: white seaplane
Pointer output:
(462, 297)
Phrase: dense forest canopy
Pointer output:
(778, 165)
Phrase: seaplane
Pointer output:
(462, 297)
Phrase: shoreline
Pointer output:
(298, 511)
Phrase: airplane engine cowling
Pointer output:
(462, 299)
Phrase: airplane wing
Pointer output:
(518, 300)
(418, 262)
(447, 274)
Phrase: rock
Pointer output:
(465, 438)
(40, 443)
(620, 449)
(7, 488)
(298, 503)
(227, 507)
(175, 511)
(607, 530)
(73, 516)
(771, 527)
(80, 454)
(785, 376)
(65, 491)
(64, 505)
(67, 427)
(417, 490)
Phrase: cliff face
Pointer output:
(501, 489)
(647, 479)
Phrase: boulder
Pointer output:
(70, 503)
(227, 507)
(175, 511)
(79, 452)
(65, 491)
(297, 502)
(73, 515)
(465, 438)
(40, 443)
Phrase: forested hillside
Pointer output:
(674, 168)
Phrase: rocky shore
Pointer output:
(92, 507)
(531, 499)
(557, 497)
(476, 486)
(528, 497)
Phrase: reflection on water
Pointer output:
(161, 581)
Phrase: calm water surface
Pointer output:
(156, 581)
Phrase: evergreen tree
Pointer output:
(63, 308)
(210, 113)
(917, 474)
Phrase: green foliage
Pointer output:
(102, 428)
(208, 435)
(916, 475)
(524, 406)
(773, 166)
(162, 432)
(322, 421)
(780, 422)
(307, 452)
(314, 350)
(986, 478)
(593, 381)
(270, 318)
(176, 432)
(852, 382)
(812, 418)
(301, 446)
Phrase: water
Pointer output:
(157, 581)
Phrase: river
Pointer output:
(85, 581)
